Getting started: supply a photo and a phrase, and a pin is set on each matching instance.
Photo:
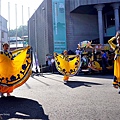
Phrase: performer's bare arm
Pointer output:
(111, 42)
(71, 56)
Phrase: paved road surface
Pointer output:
(89, 97)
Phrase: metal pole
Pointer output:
(9, 22)
(29, 25)
(0, 7)
(44, 34)
(36, 43)
(0, 26)
(35, 33)
(22, 27)
(41, 70)
(16, 23)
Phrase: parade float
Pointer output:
(91, 58)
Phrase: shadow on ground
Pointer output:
(74, 84)
(21, 108)
(41, 81)
(95, 75)
(107, 76)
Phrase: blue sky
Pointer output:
(32, 4)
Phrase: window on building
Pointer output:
(110, 20)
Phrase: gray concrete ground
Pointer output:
(89, 97)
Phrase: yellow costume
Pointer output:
(116, 48)
(68, 65)
(15, 69)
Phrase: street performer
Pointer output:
(116, 48)
(15, 68)
(66, 64)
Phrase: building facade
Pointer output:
(17, 42)
(96, 20)
(40, 33)
(3, 31)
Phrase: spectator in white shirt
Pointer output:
(77, 51)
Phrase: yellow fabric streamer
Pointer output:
(65, 66)
(15, 69)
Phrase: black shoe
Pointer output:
(2, 95)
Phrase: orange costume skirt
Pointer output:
(68, 66)
(117, 71)
(15, 68)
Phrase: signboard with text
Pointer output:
(59, 25)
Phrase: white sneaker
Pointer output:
(8, 94)
(65, 81)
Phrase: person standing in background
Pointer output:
(53, 64)
(77, 51)
(66, 57)
(104, 61)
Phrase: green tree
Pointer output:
(21, 31)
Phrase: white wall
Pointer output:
(4, 30)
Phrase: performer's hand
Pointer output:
(117, 34)
(77, 55)
(55, 53)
